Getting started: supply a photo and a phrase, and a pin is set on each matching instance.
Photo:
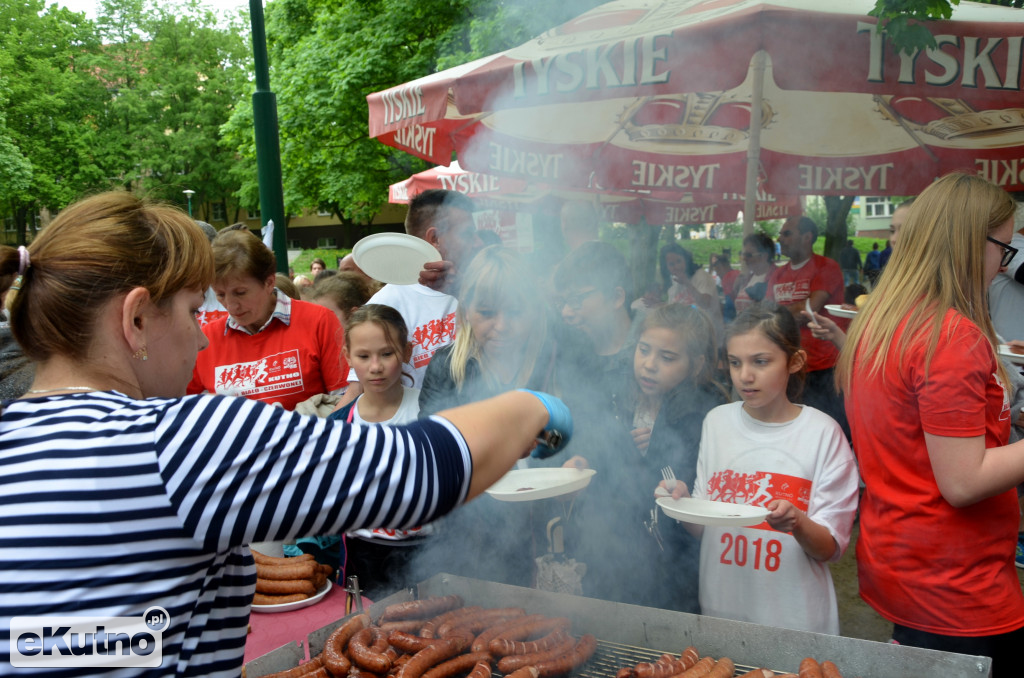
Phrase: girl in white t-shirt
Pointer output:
(790, 459)
(376, 347)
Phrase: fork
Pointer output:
(670, 482)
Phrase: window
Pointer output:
(327, 243)
(254, 213)
(323, 212)
(218, 212)
(878, 207)
(294, 244)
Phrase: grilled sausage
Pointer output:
(724, 668)
(561, 645)
(304, 570)
(428, 657)
(809, 668)
(429, 629)
(473, 624)
(407, 642)
(278, 587)
(525, 672)
(481, 670)
(421, 609)
(410, 626)
(830, 670)
(759, 673)
(306, 669)
(334, 649)
(533, 628)
(366, 650)
(482, 641)
(263, 559)
(664, 668)
(700, 669)
(459, 665)
(580, 654)
(264, 599)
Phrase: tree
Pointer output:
(174, 78)
(54, 109)
(899, 19)
(326, 58)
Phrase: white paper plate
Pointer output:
(395, 258)
(840, 312)
(297, 605)
(1005, 352)
(529, 484)
(704, 512)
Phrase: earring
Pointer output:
(141, 354)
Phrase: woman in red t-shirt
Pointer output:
(930, 418)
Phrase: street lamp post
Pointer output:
(189, 193)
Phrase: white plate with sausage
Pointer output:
(840, 312)
(1015, 358)
(296, 605)
(529, 484)
(720, 513)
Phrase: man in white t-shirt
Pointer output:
(445, 220)
(1006, 293)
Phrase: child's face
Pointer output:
(660, 362)
(377, 364)
(760, 372)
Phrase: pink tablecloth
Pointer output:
(270, 631)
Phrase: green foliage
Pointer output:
(898, 19)
(301, 264)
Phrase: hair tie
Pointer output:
(24, 262)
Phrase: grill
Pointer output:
(629, 634)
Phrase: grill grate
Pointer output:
(610, 657)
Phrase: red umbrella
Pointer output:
(677, 95)
(654, 207)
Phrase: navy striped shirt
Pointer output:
(109, 505)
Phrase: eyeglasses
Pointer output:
(751, 255)
(575, 301)
(1008, 252)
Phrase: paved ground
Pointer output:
(856, 619)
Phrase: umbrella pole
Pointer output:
(754, 145)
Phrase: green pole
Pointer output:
(268, 148)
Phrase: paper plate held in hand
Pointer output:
(529, 484)
(720, 513)
(840, 312)
(1005, 352)
(297, 605)
(395, 258)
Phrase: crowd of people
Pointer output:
(742, 390)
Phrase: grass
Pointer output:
(302, 263)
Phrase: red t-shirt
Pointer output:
(787, 286)
(283, 364)
(921, 562)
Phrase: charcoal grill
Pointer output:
(628, 634)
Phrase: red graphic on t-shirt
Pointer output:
(790, 292)
(435, 333)
(757, 489)
(274, 374)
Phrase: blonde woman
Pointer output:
(927, 403)
(503, 341)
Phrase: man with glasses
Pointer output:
(809, 278)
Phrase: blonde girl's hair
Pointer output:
(939, 265)
(497, 278)
(390, 322)
(699, 339)
(779, 326)
(94, 250)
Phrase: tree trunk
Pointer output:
(837, 207)
(643, 256)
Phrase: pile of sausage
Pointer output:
(440, 638)
(691, 665)
(288, 580)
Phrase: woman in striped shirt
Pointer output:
(119, 494)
